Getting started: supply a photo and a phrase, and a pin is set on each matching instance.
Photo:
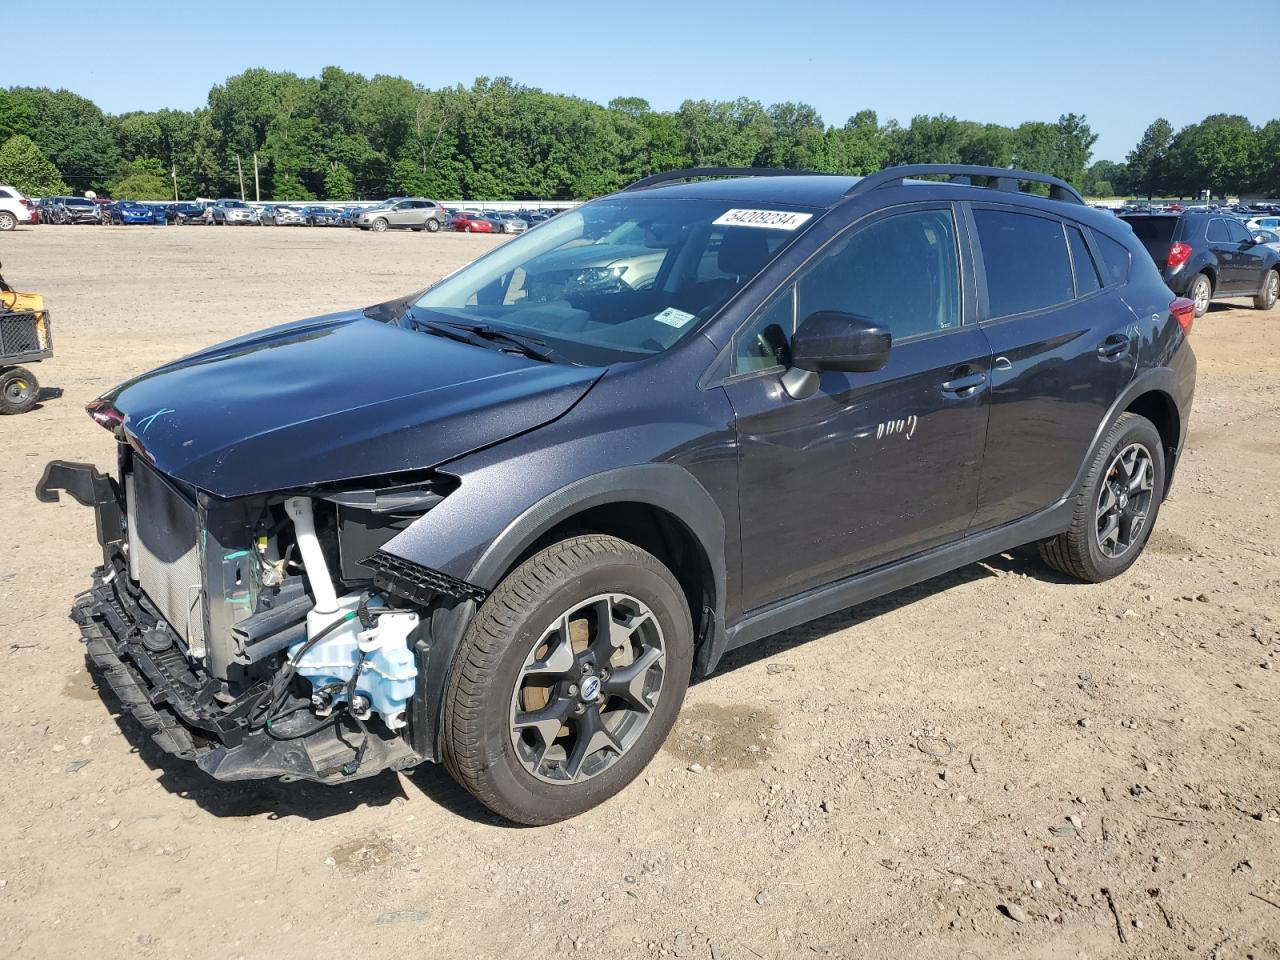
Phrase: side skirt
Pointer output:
(784, 614)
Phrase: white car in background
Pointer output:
(13, 210)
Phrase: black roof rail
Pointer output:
(692, 173)
(1004, 179)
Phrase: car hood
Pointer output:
(332, 399)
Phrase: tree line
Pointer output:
(342, 136)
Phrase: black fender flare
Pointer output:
(663, 485)
(1154, 380)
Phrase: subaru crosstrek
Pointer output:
(567, 484)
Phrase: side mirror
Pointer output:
(1259, 238)
(832, 340)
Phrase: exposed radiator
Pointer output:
(164, 554)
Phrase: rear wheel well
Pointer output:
(652, 529)
(1158, 407)
(1212, 274)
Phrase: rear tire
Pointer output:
(432, 225)
(1201, 292)
(1270, 290)
(538, 637)
(19, 390)
(1110, 492)
(7, 221)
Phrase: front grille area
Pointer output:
(164, 553)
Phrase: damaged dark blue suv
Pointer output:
(657, 427)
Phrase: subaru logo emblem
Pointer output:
(590, 688)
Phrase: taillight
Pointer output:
(1184, 311)
(1178, 253)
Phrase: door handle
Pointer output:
(964, 386)
(1114, 345)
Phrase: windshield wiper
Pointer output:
(482, 334)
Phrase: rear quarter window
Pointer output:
(1025, 256)
(1115, 258)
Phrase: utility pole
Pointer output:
(240, 170)
(173, 172)
(257, 187)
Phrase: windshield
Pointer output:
(617, 279)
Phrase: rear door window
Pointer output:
(1027, 265)
(1218, 232)
(1086, 271)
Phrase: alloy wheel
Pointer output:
(8, 221)
(587, 689)
(1124, 500)
(1273, 289)
(1200, 294)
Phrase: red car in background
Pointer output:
(468, 221)
(34, 208)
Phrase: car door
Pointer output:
(872, 466)
(1226, 251)
(1063, 345)
(1250, 257)
(399, 214)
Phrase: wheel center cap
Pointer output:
(1124, 500)
(590, 688)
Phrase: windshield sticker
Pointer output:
(768, 219)
(673, 317)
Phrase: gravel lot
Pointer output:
(996, 763)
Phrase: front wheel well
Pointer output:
(1158, 407)
(652, 529)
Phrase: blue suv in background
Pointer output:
(578, 471)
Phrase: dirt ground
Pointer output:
(996, 763)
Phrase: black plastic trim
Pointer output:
(1005, 179)
(692, 173)
(416, 583)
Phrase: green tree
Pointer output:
(1148, 161)
(1219, 154)
(859, 147)
(338, 183)
(1267, 180)
(73, 133)
(25, 167)
(1106, 178)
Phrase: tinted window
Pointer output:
(1218, 232)
(6, 194)
(1026, 262)
(1087, 279)
(902, 272)
(1115, 258)
(1237, 232)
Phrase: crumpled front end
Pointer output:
(249, 635)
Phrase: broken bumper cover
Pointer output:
(187, 718)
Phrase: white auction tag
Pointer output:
(673, 317)
(768, 219)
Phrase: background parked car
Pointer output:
(282, 215)
(414, 213)
(13, 208)
(506, 222)
(468, 221)
(1206, 255)
(188, 211)
(131, 211)
(1263, 223)
(234, 211)
(318, 216)
(79, 210)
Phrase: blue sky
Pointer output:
(985, 60)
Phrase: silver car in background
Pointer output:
(413, 212)
(234, 211)
(506, 222)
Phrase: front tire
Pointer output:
(379, 225)
(1201, 292)
(1264, 300)
(568, 680)
(1116, 506)
(19, 390)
